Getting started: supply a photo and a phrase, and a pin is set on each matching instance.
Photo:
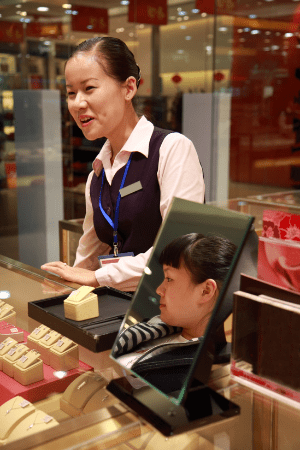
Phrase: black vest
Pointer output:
(139, 216)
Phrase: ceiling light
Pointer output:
(223, 29)
(268, 33)
(186, 18)
(180, 52)
(255, 32)
(18, 6)
(125, 2)
(275, 47)
(43, 8)
(288, 35)
(67, 6)
(195, 11)
(246, 30)
(240, 30)
(203, 15)
(182, 27)
(188, 38)
(252, 16)
(23, 13)
(181, 13)
(179, 19)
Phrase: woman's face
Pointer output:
(96, 101)
(180, 298)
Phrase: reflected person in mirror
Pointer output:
(102, 78)
(162, 349)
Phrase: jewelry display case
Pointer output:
(263, 422)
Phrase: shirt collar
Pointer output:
(138, 141)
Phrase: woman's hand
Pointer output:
(74, 274)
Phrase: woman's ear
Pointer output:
(209, 290)
(130, 86)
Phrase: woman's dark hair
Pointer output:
(203, 256)
(119, 60)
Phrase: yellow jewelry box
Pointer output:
(33, 340)
(81, 304)
(29, 368)
(46, 343)
(64, 355)
(5, 346)
(11, 357)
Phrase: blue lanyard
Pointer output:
(114, 224)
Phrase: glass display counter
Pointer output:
(263, 423)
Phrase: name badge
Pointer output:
(107, 259)
(134, 187)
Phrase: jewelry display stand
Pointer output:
(37, 421)
(78, 394)
(33, 340)
(64, 355)
(11, 358)
(29, 368)
(7, 312)
(81, 304)
(12, 413)
(5, 346)
(46, 343)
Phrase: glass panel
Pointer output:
(151, 301)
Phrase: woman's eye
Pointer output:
(168, 279)
(69, 94)
(89, 88)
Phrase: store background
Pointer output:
(245, 51)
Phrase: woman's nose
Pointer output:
(80, 101)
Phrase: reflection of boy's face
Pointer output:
(180, 298)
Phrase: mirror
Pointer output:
(169, 367)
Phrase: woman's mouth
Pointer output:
(85, 120)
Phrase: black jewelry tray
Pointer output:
(97, 334)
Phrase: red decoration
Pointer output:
(219, 76)
(222, 6)
(153, 12)
(176, 78)
(11, 32)
(141, 81)
(35, 29)
(94, 20)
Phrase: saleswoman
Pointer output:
(156, 165)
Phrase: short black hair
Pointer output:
(203, 256)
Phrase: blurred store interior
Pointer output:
(238, 59)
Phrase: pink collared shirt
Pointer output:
(179, 175)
